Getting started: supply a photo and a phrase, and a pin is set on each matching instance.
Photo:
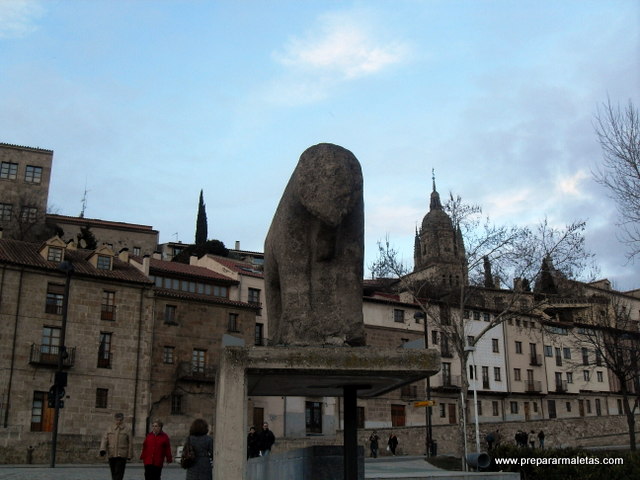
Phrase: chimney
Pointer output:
(146, 261)
(237, 244)
(193, 260)
(124, 255)
(157, 255)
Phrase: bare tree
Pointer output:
(614, 338)
(618, 132)
(512, 252)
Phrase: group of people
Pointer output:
(259, 444)
(117, 446)
(374, 444)
(524, 439)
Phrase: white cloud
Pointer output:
(571, 185)
(17, 17)
(341, 47)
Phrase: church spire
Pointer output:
(435, 196)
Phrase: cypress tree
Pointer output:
(201, 222)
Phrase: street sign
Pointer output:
(426, 403)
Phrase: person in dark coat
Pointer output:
(392, 443)
(253, 448)
(541, 438)
(373, 444)
(203, 447)
(266, 439)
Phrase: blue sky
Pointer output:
(146, 102)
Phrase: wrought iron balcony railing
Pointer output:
(48, 355)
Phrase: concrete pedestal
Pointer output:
(303, 371)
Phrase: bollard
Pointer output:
(479, 460)
(30, 455)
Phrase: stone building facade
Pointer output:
(25, 173)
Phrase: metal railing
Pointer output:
(533, 386)
(48, 355)
(196, 373)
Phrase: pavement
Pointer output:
(402, 467)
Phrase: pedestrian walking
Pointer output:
(373, 444)
(266, 439)
(253, 447)
(541, 438)
(202, 445)
(156, 448)
(392, 444)
(117, 445)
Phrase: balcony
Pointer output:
(47, 355)
(104, 359)
(535, 360)
(533, 386)
(108, 312)
(561, 387)
(450, 381)
(486, 385)
(196, 373)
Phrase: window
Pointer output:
(170, 316)
(41, 414)
(104, 350)
(476, 315)
(495, 408)
(514, 407)
(588, 402)
(33, 174)
(535, 407)
(108, 309)
(586, 375)
(558, 357)
(443, 410)
(254, 296)
(620, 410)
(29, 215)
(518, 347)
(444, 346)
(49, 349)
(176, 404)
(568, 406)
(54, 254)
(313, 417)
(479, 403)
(485, 378)
(55, 299)
(9, 171)
(398, 315)
(104, 262)
(137, 251)
(566, 352)
(102, 394)
(569, 377)
(198, 361)
(168, 354)
(434, 337)
(472, 372)
(585, 356)
(551, 407)
(470, 339)
(486, 317)
(259, 335)
(398, 418)
(219, 291)
(548, 351)
(598, 358)
(232, 323)
(6, 210)
(600, 377)
(495, 347)
(467, 314)
(598, 407)
(360, 417)
(446, 374)
(496, 374)
(517, 375)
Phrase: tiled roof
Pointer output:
(183, 269)
(165, 292)
(238, 266)
(27, 254)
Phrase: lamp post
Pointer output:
(472, 349)
(429, 439)
(60, 376)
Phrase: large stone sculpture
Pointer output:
(314, 252)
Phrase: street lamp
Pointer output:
(60, 377)
(472, 349)
(421, 316)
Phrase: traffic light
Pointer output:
(55, 392)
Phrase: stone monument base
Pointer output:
(348, 372)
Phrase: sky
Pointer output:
(145, 103)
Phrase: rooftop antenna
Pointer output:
(176, 235)
(84, 201)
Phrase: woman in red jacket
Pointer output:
(155, 449)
